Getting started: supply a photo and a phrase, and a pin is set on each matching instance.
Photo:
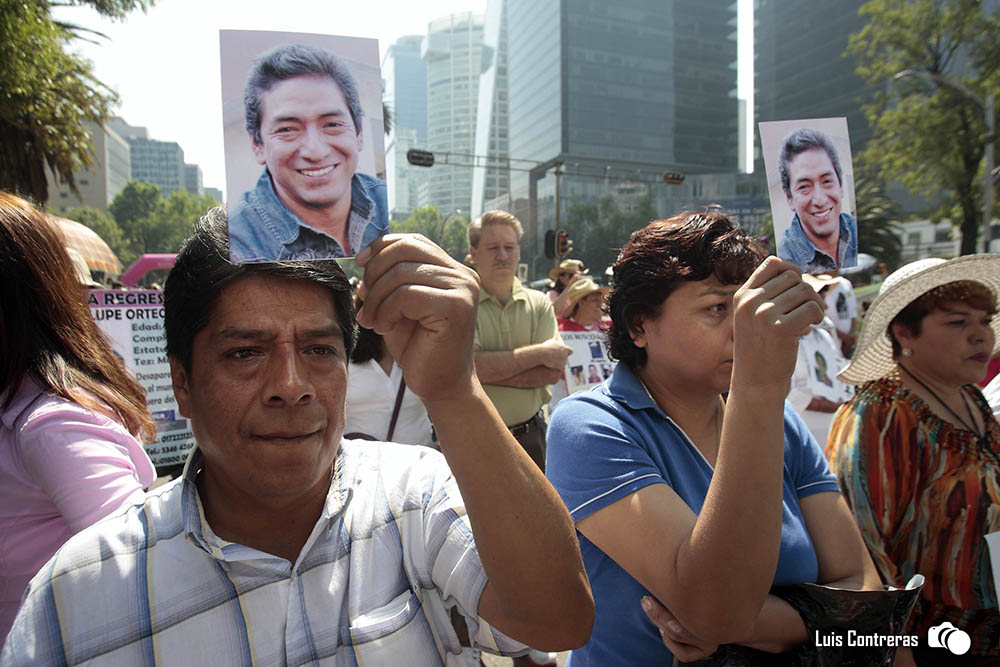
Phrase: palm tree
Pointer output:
(879, 225)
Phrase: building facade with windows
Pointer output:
(613, 94)
(99, 184)
(404, 77)
(452, 51)
(193, 180)
(800, 66)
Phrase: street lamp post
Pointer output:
(989, 116)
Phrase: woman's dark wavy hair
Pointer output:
(659, 257)
(46, 330)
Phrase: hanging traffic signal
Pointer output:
(564, 245)
(420, 158)
(550, 244)
(673, 178)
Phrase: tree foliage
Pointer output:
(46, 94)
(879, 222)
(103, 224)
(600, 229)
(150, 223)
(449, 233)
(929, 136)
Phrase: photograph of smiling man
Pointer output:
(305, 158)
(811, 185)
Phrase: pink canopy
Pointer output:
(145, 264)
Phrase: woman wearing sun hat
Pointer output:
(585, 307)
(917, 451)
(562, 277)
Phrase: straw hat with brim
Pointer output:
(570, 265)
(873, 357)
(580, 288)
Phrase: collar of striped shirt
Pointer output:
(374, 584)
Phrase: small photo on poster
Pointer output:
(304, 145)
(810, 180)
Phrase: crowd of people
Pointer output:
(378, 478)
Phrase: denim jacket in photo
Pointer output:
(263, 229)
(796, 247)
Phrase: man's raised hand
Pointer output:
(773, 308)
(423, 303)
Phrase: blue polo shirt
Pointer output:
(608, 443)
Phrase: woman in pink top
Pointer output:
(70, 415)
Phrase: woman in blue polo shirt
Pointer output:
(680, 492)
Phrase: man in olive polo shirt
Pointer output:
(518, 349)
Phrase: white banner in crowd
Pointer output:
(587, 366)
(133, 319)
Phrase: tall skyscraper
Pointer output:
(491, 176)
(404, 77)
(618, 92)
(632, 81)
(800, 69)
(452, 51)
(99, 184)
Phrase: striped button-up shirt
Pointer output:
(374, 584)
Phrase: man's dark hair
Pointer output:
(663, 255)
(203, 270)
(291, 60)
(800, 141)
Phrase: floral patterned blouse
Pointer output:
(924, 493)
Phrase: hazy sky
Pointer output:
(164, 64)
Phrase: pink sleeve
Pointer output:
(88, 465)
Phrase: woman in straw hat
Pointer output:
(585, 307)
(679, 494)
(917, 451)
(560, 278)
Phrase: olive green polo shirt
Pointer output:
(526, 319)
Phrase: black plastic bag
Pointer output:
(842, 626)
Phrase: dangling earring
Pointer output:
(906, 352)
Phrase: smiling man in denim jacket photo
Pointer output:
(303, 114)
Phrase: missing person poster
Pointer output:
(810, 180)
(587, 366)
(133, 320)
(304, 145)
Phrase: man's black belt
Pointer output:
(524, 427)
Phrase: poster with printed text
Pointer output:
(133, 320)
(587, 366)
(810, 179)
(304, 145)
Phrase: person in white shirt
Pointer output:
(842, 308)
(816, 393)
(379, 404)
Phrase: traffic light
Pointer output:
(419, 158)
(673, 178)
(564, 245)
(550, 244)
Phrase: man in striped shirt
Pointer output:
(283, 544)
